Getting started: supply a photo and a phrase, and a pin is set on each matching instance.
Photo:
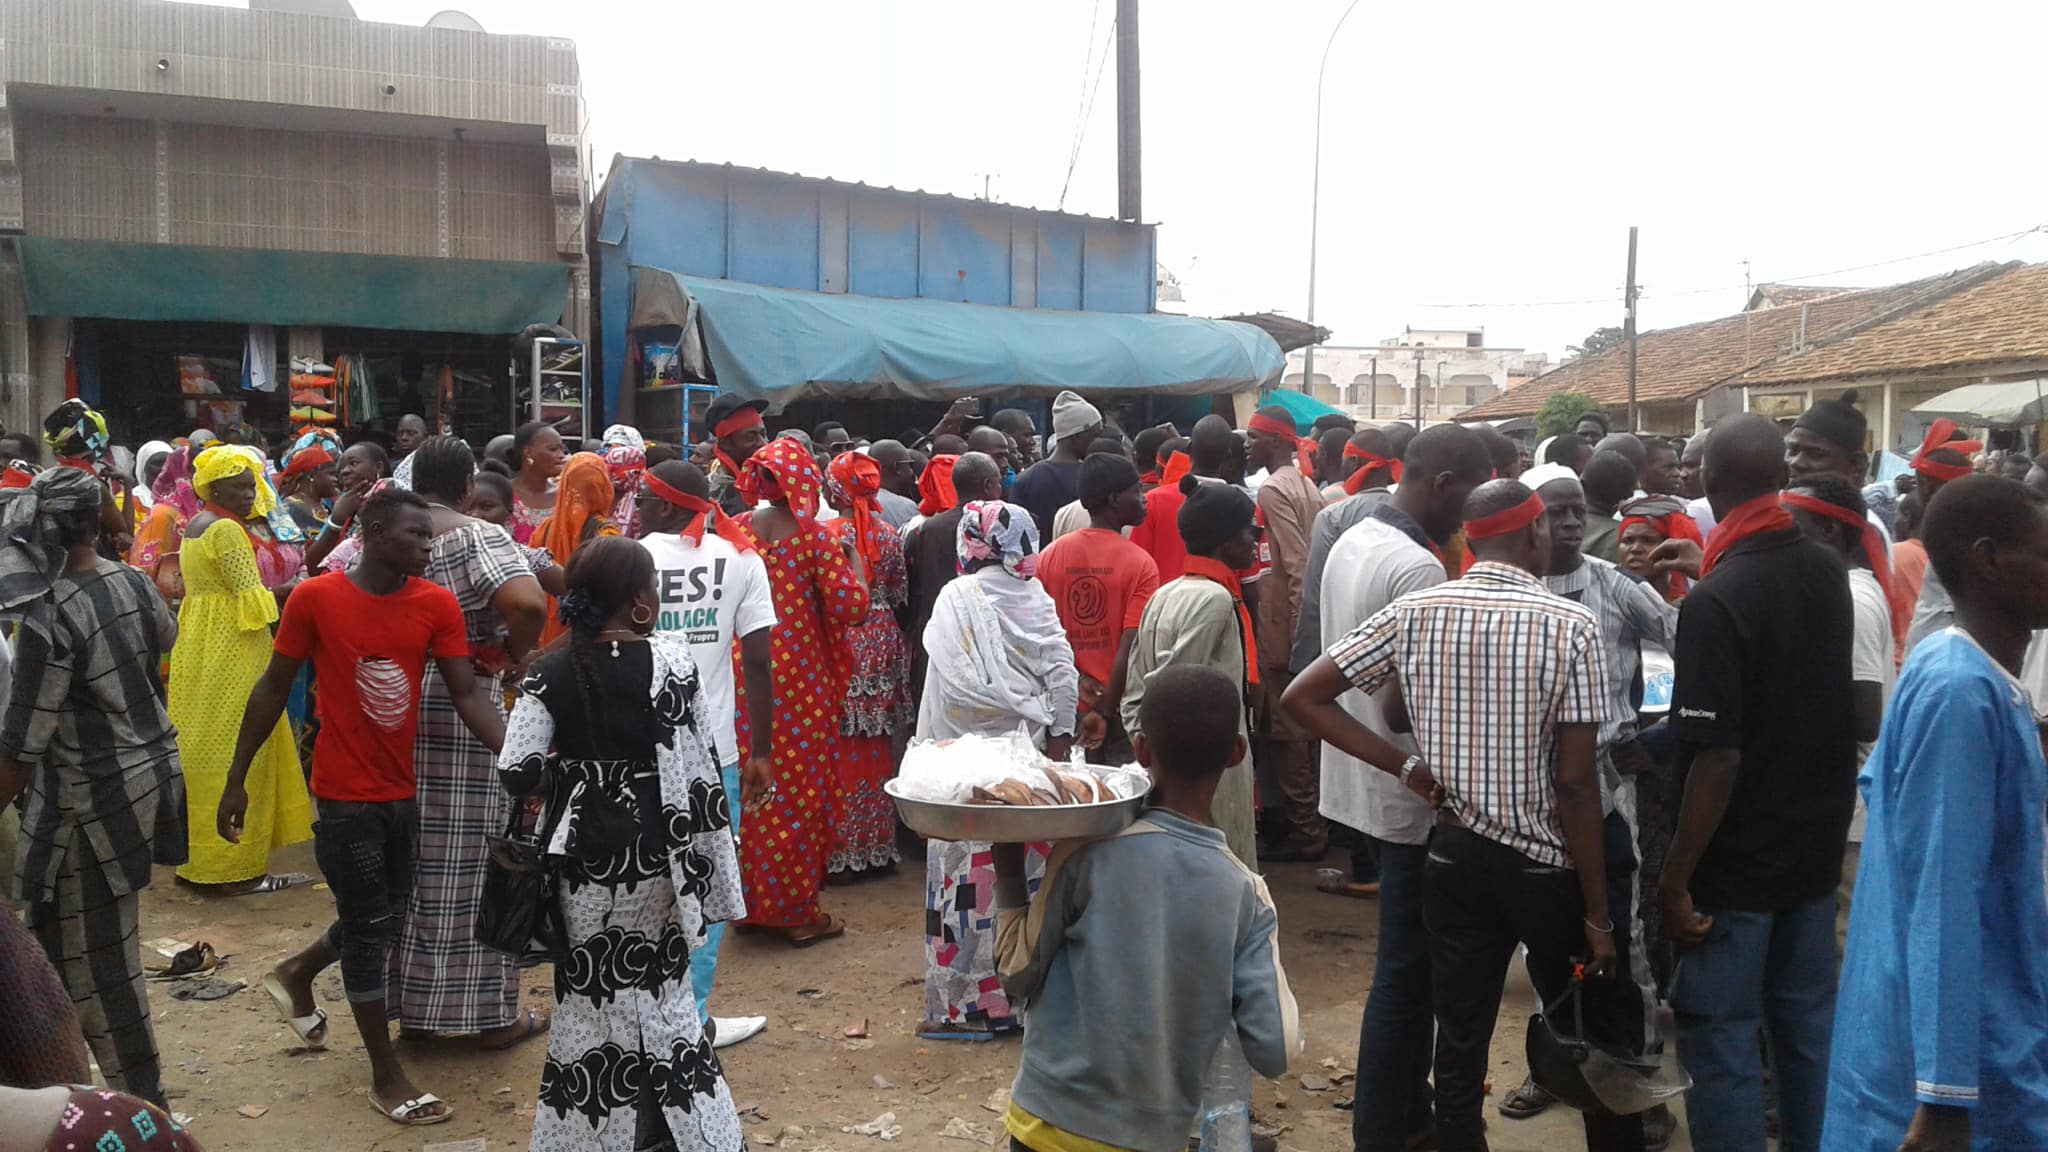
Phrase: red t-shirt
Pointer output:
(1159, 536)
(1100, 582)
(368, 653)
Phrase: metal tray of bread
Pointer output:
(1017, 824)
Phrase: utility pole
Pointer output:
(1629, 329)
(1372, 396)
(1315, 203)
(1129, 175)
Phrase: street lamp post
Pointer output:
(1315, 195)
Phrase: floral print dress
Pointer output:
(875, 708)
(641, 854)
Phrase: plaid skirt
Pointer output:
(442, 980)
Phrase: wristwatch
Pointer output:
(1408, 768)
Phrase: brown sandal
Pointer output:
(826, 928)
(1341, 887)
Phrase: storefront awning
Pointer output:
(91, 278)
(783, 346)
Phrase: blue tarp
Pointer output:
(783, 346)
(1304, 408)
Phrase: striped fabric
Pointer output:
(442, 980)
(1489, 665)
(85, 715)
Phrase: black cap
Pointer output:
(724, 405)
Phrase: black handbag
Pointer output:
(517, 915)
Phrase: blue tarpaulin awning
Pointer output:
(782, 346)
(1304, 408)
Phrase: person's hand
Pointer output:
(1937, 1128)
(757, 784)
(1600, 953)
(234, 806)
(1630, 759)
(1057, 747)
(1681, 923)
(1094, 730)
(1678, 555)
(957, 416)
(1424, 783)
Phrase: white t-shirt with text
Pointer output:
(713, 593)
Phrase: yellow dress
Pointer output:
(223, 647)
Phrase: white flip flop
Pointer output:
(311, 1030)
(733, 1029)
(408, 1113)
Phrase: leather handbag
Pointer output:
(517, 914)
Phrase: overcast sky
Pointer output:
(1482, 159)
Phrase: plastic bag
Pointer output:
(945, 772)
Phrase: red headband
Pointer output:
(1937, 439)
(1506, 520)
(1374, 462)
(739, 421)
(1874, 549)
(1304, 448)
(727, 528)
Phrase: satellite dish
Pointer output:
(453, 18)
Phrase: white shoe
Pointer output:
(734, 1029)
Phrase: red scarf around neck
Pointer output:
(1204, 568)
(1874, 552)
(1750, 518)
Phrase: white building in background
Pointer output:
(1434, 373)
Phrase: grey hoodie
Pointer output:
(1139, 951)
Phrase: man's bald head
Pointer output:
(1745, 459)
(1210, 445)
(976, 477)
(1398, 436)
(948, 444)
(899, 471)
(1626, 444)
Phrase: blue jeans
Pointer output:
(1397, 1038)
(704, 961)
(1757, 972)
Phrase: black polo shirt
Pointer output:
(1763, 665)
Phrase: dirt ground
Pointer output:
(227, 1058)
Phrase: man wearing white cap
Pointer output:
(1055, 482)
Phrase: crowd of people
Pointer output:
(684, 674)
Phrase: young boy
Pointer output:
(369, 632)
(1101, 944)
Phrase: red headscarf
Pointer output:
(782, 472)
(935, 487)
(1177, 466)
(1374, 462)
(1667, 517)
(1939, 436)
(723, 526)
(854, 478)
(1874, 551)
(1750, 518)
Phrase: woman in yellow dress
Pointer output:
(223, 647)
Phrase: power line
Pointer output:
(1086, 106)
(1675, 293)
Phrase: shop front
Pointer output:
(165, 339)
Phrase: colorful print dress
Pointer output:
(784, 853)
(875, 708)
(641, 853)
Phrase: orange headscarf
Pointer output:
(584, 493)
(854, 478)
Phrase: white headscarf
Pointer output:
(143, 456)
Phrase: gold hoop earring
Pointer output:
(639, 608)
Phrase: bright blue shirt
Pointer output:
(1944, 993)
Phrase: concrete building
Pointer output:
(1432, 372)
(174, 177)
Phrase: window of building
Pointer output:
(1475, 339)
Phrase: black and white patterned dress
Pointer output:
(643, 855)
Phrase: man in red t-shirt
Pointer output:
(1101, 582)
(369, 632)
